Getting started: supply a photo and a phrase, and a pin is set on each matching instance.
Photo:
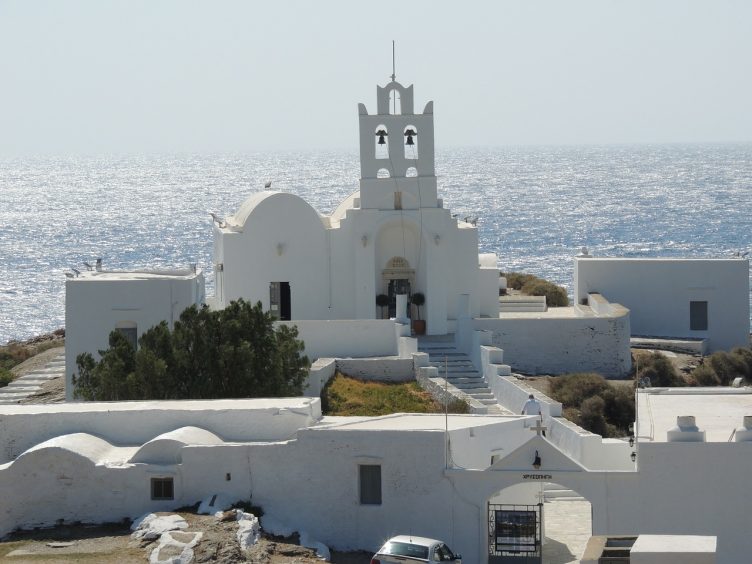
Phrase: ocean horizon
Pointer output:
(536, 207)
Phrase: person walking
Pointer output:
(532, 406)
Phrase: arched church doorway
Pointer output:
(538, 523)
(397, 278)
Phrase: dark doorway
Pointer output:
(279, 300)
(398, 286)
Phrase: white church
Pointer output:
(353, 482)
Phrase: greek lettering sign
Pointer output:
(546, 477)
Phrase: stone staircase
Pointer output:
(520, 303)
(25, 386)
(459, 369)
(555, 492)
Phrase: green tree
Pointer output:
(113, 377)
(236, 352)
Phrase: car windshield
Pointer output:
(405, 549)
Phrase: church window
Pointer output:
(369, 479)
(411, 142)
(383, 173)
(382, 142)
(698, 316)
(398, 200)
(162, 488)
(411, 172)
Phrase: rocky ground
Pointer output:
(111, 544)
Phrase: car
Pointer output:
(407, 548)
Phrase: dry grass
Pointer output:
(350, 397)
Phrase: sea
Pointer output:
(536, 207)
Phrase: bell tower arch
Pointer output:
(389, 141)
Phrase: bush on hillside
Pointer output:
(596, 405)
(592, 417)
(659, 369)
(727, 366)
(6, 377)
(572, 389)
(556, 296)
(516, 280)
(704, 375)
(232, 353)
(531, 285)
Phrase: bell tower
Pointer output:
(397, 152)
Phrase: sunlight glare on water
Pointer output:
(536, 206)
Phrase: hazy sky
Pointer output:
(172, 76)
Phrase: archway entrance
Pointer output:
(540, 523)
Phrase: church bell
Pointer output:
(381, 133)
(409, 134)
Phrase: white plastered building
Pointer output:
(392, 236)
(706, 300)
(100, 301)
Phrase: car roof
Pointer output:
(415, 540)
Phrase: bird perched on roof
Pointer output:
(218, 220)
(268, 184)
(68, 275)
(88, 266)
(76, 271)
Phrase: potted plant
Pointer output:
(382, 300)
(419, 325)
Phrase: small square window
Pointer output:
(162, 488)
(370, 484)
(698, 316)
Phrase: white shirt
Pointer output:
(531, 407)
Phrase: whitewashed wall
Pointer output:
(357, 338)
(136, 422)
(548, 345)
(95, 305)
(658, 291)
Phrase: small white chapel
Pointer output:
(393, 237)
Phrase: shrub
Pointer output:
(6, 377)
(659, 369)
(556, 296)
(727, 366)
(594, 403)
(516, 280)
(592, 417)
(619, 408)
(744, 354)
(704, 375)
(236, 352)
(572, 389)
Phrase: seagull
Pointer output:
(744, 254)
(76, 271)
(68, 275)
(88, 266)
(466, 219)
(218, 220)
(268, 184)
(474, 221)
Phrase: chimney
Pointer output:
(744, 433)
(685, 431)
(99, 265)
